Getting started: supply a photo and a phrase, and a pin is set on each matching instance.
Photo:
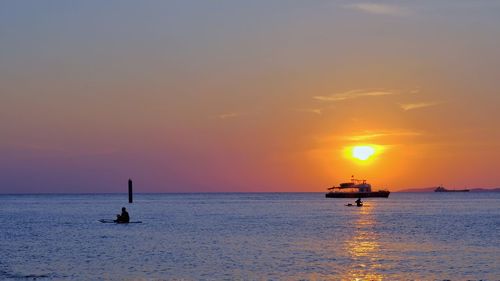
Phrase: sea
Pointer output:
(250, 236)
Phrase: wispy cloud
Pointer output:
(44, 149)
(353, 94)
(40, 148)
(378, 9)
(318, 111)
(386, 136)
(411, 106)
(229, 115)
(415, 91)
(369, 135)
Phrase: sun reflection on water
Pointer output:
(363, 247)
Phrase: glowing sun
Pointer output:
(362, 152)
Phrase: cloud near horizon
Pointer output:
(380, 134)
(378, 9)
(411, 106)
(353, 94)
(362, 136)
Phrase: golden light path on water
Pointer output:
(354, 250)
(363, 247)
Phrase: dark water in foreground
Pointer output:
(277, 236)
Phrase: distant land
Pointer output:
(431, 189)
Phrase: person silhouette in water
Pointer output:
(358, 202)
(123, 217)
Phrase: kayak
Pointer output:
(352, 205)
(114, 221)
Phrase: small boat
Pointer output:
(442, 189)
(117, 222)
(352, 205)
(355, 189)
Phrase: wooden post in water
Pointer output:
(130, 200)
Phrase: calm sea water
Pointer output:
(256, 236)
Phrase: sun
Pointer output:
(363, 152)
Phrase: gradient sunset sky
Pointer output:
(203, 96)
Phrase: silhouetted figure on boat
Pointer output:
(123, 217)
(358, 202)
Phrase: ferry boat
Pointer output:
(442, 189)
(355, 189)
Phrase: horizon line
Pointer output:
(407, 190)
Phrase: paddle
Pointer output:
(114, 221)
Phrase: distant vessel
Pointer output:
(442, 189)
(355, 189)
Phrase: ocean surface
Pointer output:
(251, 236)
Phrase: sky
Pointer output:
(247, 96)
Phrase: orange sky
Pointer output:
(188, 96)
